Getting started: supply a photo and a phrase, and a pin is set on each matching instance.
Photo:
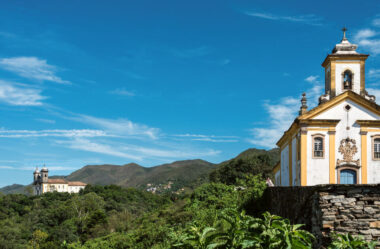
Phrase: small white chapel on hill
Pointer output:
(338, 141)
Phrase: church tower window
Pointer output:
(376, 148)
(318, 146)
(347, 80)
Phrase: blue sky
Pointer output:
(151, 82)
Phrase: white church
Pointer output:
(42, 184)
(338, 141)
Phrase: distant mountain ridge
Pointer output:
(13, 189)
(134, 175)
(176, 175)
(180, 174)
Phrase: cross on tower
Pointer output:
(344, 29)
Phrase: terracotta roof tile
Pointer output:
(77, 184)
(56, 181)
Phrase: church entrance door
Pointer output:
(348, 176)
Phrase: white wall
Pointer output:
(294, 162)
(340, 68)
(356, 113)
(317, 168)
(373, 166)
(58, 187)
(75, 189)
(285, 166)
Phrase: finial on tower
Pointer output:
(345, 47)
(344, 29)
(303, 108)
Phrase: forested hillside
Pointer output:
(218, 214)
(180, 174)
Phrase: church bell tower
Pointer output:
(44, 174)
(345, 70)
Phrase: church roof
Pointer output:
(57, 181)
(372, 106)
(344, 49)
(63, 181)
(307, 117)
(77, 183)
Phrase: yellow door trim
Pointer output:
(303, 157)
(363, 135)
(332, 156)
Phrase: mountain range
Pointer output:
(174, 176)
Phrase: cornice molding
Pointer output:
(369, 123)
(337, 57)
(336, 100)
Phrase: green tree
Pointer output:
(38, 238)
(255, 162)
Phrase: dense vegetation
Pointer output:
(214, 215)
(251, 161)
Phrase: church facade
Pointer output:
(338, 141)
(42, 183)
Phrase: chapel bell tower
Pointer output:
(345, 70)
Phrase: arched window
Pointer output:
(347, 80)
(348, 176)
(318, 147)
(376, 148)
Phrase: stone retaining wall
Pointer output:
(353, 209)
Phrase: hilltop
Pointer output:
(180, 174)
(172, 177)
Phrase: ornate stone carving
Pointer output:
(365, 94)
(325, 97)
(348, 149)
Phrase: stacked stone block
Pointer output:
(324, 209)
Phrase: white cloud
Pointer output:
(44, 120)
(6, 167)
(372, 45)
(215, 140)
(306, 19)
(32, 68)
(374, 73)
(87, 145)
(368, 38)
(121, 127)
(281, 115)
(53, 133)
(28, 168)
(168, 153)
(20, 95)
(209, 138)
(312, 78)
(134, 152)
(364, 34)
(50, 168)
(376, 22)
(122, 92)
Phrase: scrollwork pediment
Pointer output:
(348, 149)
